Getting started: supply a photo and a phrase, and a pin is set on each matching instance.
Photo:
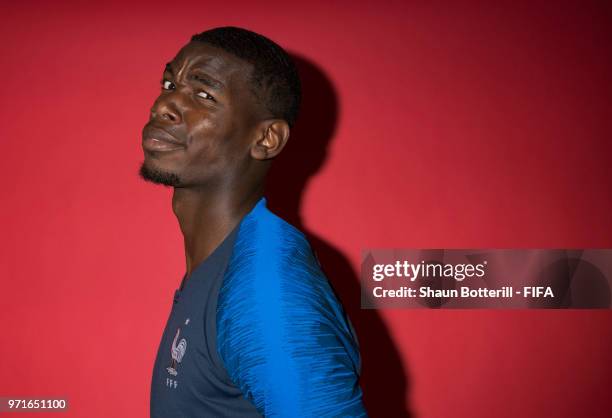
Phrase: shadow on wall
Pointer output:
(384, 380)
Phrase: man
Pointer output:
(255, 328)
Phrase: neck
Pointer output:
(206, 218)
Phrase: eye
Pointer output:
(167, 85)
(205, 95)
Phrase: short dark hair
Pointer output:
(275, 77)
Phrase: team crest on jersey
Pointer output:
(177, 352)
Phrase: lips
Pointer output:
(156, 139)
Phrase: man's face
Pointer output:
(202, 124)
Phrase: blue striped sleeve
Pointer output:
(281, 333)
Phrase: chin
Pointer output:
(149, 172)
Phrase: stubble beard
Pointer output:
(165, 178)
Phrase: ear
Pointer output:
(272, 135)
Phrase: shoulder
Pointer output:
(274, 287)
(269, 252)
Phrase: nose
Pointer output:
(166, 110)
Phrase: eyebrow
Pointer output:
(199, 77)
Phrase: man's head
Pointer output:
(228, 100)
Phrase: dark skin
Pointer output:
(212, 138)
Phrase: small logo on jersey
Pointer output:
(177, 352)
(187, 321)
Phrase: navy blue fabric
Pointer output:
(257, 330)
(197, 385)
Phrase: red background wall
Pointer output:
(428, 125)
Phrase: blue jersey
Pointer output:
(256, 331)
